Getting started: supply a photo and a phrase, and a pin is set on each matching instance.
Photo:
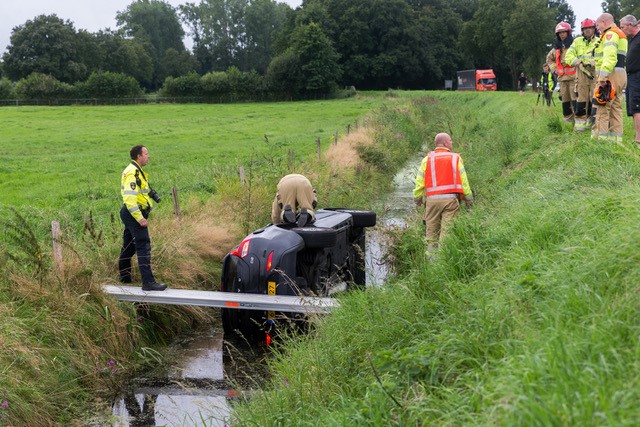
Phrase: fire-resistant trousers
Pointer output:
(608, 124)
(568, 95)
(586, 87)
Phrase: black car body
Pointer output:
(284, 259)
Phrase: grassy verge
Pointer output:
(528, 315)
(62, 341)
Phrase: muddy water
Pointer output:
(211, 372)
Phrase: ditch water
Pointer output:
(211, 372)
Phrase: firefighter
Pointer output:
(547, 83)
(566, 74)
(610, 54)
(442, 183)
(295, 201)
(138, 198)
(580, 56)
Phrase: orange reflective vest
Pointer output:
(441, 175)
(562, 69)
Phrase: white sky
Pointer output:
(94, 15)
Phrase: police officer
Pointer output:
(547, 83)
(138, 198)
(580, 56)
(610, 54)
(295, 201)
(566, 74)
(443, 181)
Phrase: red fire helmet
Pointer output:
(587, 23)
(563, 26)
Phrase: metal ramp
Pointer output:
(294, 304)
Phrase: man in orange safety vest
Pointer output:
(441, 183)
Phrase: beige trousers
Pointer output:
(439, 214)
(608, 124)
(294, 190)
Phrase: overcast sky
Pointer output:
(94, 15)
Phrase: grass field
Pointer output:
(72, 157)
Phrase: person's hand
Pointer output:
(143, 223)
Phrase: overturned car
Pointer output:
(285, 259)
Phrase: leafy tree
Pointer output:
(218, 29)
(178, 63)
(263, 20)
(318, 59)
(616, 8)
(155, 24)
(526, 53)
(381, 42)
(284, 75)
(48, 45)
(564, 12)
(128, 56)
(216, 84)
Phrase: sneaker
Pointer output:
(288, 216)
(155, 286)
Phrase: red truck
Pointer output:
(477, 80)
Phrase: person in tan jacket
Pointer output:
(295, 201)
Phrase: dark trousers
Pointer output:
(135, 239)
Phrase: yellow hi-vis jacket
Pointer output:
(135, 189)
(419, 189)
(581, 50)
(610, 52)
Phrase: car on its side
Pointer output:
(284, 259)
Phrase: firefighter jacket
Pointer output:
(547, 81)
(610, 52)
(442, 172)
(135, 190)
(581, 51)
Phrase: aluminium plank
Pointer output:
(294, 304)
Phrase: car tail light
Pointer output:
(269, 261)
(242, 250)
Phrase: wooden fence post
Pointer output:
(335, 141)
(57, 246)
(243, 178)
(176, 204)
(348, 128)
(318, 144)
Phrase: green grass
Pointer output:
(64, 344)
(528, 315)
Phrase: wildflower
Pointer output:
(5, 404)
(111, 363)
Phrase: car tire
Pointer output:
(360, 218)
(316, 237)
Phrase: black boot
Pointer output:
(304, 218)
(155, 286)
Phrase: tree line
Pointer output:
(314, 49)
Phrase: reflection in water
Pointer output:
(197, 390)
